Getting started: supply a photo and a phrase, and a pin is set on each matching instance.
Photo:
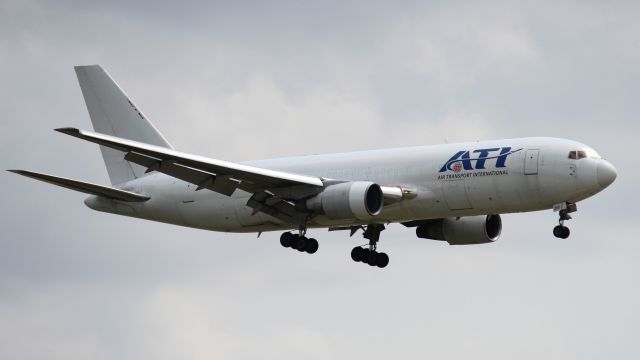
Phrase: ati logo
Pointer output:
(462, 160)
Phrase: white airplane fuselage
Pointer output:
(439, 181)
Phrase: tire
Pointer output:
(311, 246)
(286, 239)
(557, 231)
(294, 241)
(300, 243)
(364, 255)
(372, 259)
(565, 232)
(357, 254)
(382, 260)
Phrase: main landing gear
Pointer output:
(562, 231)
(299, 242)
(369, 255)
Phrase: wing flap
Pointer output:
(201, 178)
(87, 188)
(273, 205)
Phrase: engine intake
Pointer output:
(462, 231)
(357, 199)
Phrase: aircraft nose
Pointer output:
(606, 173)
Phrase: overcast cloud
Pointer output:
(252, 79)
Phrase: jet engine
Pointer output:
(462, 231)
(350, 200)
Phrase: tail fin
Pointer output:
(113, 113)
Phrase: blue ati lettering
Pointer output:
(477, 159)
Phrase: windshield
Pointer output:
(581, 154)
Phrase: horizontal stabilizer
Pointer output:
(85, 187)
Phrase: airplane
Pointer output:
(448, 192)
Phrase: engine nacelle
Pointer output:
(351, 200)
(462, 231)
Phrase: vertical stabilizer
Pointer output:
(113, 113)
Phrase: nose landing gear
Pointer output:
(561, 231)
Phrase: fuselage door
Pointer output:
(531, 162)
(455, 194)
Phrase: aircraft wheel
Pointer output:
(372, 259)
(382, 260)
(357, 254)
(311, 246)
(365, 255)
(294, 241)
(300, 243)
(561, 232)
(286, 239)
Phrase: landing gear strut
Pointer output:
(299, 241)
(369, 255)
(564, 209)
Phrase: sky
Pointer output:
(253, 79)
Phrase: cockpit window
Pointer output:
(581, 154)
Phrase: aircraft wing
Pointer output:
(216, 175)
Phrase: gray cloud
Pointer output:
(251, 80)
